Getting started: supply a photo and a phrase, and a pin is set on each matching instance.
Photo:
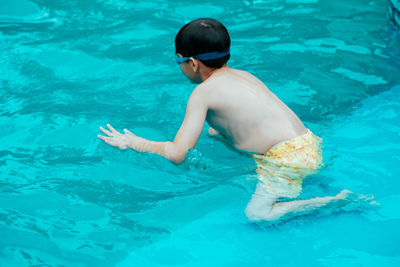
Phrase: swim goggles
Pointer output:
(204, 56)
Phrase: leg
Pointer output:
(263, 206)
(302, 207)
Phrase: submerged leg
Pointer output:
(263, 207)
(261, 204)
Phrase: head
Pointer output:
(205, 43)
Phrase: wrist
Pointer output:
(137, 143)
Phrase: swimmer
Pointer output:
(241, 109)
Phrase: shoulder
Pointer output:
(204, 90)
(246, 74)
(249, 77)
(199, 96)
(238, 72)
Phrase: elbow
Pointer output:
(176, 154)
(177, 160)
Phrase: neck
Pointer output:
(206, 73)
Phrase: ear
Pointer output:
(194, 64)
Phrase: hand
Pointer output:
(117, 139)
(213, 132)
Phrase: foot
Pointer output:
(344, 194)
(346, 197)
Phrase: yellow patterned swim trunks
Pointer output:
(283, 168)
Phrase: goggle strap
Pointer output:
(205, 56)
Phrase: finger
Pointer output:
(112, 129)
(105, 131)
(104, 138)
(128, 132)
(108, 140)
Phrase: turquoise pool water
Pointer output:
(67, 199)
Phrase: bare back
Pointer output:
(246, 112)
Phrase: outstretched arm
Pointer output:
(176, 151)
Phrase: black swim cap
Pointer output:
(201, 36)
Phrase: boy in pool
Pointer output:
(240, 108)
